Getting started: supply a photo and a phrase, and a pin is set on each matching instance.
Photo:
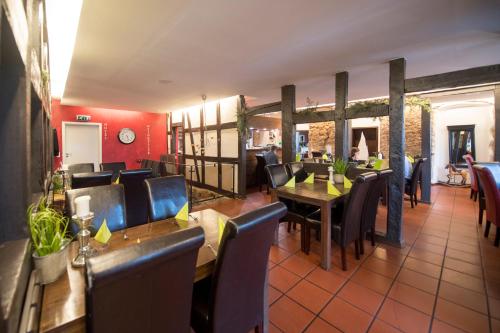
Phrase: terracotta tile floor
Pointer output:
(446, 278)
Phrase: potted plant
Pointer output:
(48, 234)
(340, 168)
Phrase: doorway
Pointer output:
(371, 137)
(82, 143)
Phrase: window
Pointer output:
(461, 140)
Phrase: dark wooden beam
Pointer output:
(202, 143)
(313, 117)
(497, 122)
(341, 132)
(368, 112)
(213, 127)
(425, 185)
(450, 80)
(397, 70)
(219, 148)
(242, 152)
(264, 108)
(191, 137)
(287, 125)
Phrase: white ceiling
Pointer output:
(252, 47)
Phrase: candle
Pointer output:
(82, 206)
(64, 167)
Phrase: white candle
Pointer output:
(64, 167)
(82, 205)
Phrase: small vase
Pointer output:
(52, 266)
(338, 178)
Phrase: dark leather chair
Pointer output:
(346, 218)
(136, 195)
(412, 184)
(370, 207)
(296, 169)
(473, 179)
(155, 167)
(90, 179)
(106, 202)
(490, 181)
(277, 176)
(116, 167)
(146, 164)
(145, 287)
(260, 172)
(80, 168)
(166, 196)
(316, 154)
(233, 299)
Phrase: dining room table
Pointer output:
(63, 301)
(315, 194)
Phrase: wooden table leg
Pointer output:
(326, 236)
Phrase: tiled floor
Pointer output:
(446, 278)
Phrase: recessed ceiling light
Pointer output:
(164, 81)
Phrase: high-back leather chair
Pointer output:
(233, 300)
(106, 202)
(155, 167)
(490, 182)
(371, 206)
(166, 196)
(260, 172)
(136, 195)
(346, 223)
(80, 168)
(90, 179)
(145, 287)
(411, 186)
(277, 175)
(146, 164)
(296, 169)
(116, 167)
(473, 177)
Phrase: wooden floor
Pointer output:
(446, 279)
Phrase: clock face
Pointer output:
(126, 136)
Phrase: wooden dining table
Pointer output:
(63, 303)
(316, 194)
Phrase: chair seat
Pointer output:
(200, 307)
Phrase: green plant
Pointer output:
(410, 101)
(241, 119)
(339, 166)
(47, 228)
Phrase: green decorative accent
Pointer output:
(47, 228)
(241, 120)
(410, 101)
(339, 166)
(311, 107)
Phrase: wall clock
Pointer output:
(126, 136)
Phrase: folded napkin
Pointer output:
(377, 165)
(332, 190)
(183, 214)
(220, 226)
(298, 157)
(291, 183)
(310, 179)
(347, 182)
(103, 234)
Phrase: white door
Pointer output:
(82, 143)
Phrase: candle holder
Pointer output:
(85, 250)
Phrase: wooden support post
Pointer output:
(497, 123)
(426, 152)
(202, 144)
(397, 69)
(219, 149)
(242, 153)
(193, 150)
(287, 125)
(341, 130)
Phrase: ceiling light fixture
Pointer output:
(63, 17)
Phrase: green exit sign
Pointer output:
(81, 117)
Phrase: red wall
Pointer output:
(112, 122)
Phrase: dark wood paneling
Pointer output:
(287, 125)
(313, 117)
(368, 112)
(497, 123)
(397, 69)
(193, 148)
(449, 80)
(219, 148)
(202, 143)
(426, 152)
(224, 126)
(341, 130)
(264, 108)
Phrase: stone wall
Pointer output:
(320, 135)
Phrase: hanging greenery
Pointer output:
(311, 107)
(424, 103)
(241, 118)
(410, 101)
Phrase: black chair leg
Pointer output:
(343, 257)
(415, 199)
(471, 193)
(481, 211)
(307, 238)
(487, 228)
(411, 200)
(356, 249)
(475, 196)
(294, 225)
(259, 328)
(289, 227)
(372, 234)
(497, 237)
(362, 243)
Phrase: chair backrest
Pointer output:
(166, 196)
(106, 202)
(238, 282)
(145, 287)
(296, 169)
(80, 168)
(473, 181)
(353, 208)
(490, 183)
(276, 175)
(416, 174)
(90, 179)
(168, 169)
(155, 167)
(116, 167)
(136, 195)
(373, 198)
(316, 154)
